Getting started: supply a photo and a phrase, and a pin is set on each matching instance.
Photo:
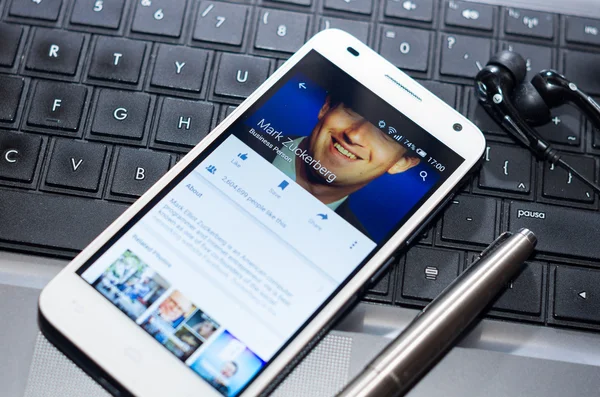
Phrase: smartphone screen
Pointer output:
(237, 254)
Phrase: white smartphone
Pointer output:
(239, 259)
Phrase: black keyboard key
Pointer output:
(559, 230)
(564, 127)
(446, 92)
(506, 168)
(159, 17)
(470, 219)
(582, 69)
(406, 48)
(481, 118)
(595, 136)
(523, 295)
(536, 57)
(57, 105)
(576, 294)
(383, 285)
(137, 170)
(416, 10)
(11, 89)
(561, 184)
(222, 23)
(61, 222)
(464, 56)
(428, 271)
(9, 45)
(76, 165)
(281, 30)
(121, 114)
(582, 30)
(239, 75)
(470, 15)
(529, 23)
(228, 110)
(179, 68)
(117, 59)
(358, 29)
(55, 51)
(184, 123)
(47, 10)
(354, 6)
(98, 13)
(19, 155)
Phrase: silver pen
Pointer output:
(439, 324)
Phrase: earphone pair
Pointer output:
(518, 105)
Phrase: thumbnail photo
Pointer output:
(319, 139)
(202, 325)
(131, 285)
(168, 324)
(227, 364)
(183, 343)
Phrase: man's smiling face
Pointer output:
(354, 149)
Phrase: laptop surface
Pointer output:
(528, 345)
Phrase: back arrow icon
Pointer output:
(302, 85)
(583, 294)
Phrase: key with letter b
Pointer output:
(137, 170)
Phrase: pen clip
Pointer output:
(494, 245)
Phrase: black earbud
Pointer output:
(496, 84)
(517, 105)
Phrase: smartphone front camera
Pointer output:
(457, 127)
(353, 51)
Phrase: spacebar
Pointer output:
(52, 221)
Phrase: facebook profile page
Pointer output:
(267, 224)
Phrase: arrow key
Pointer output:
(76, 165)
(576, 294)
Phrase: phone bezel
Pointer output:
(130, 356)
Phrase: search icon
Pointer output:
(423, 174)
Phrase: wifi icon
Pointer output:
(392, 130)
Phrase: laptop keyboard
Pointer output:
(92, 113)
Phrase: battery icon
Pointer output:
(421, 152)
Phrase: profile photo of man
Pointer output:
(175, 308)
(221, 380)
(342, 154)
